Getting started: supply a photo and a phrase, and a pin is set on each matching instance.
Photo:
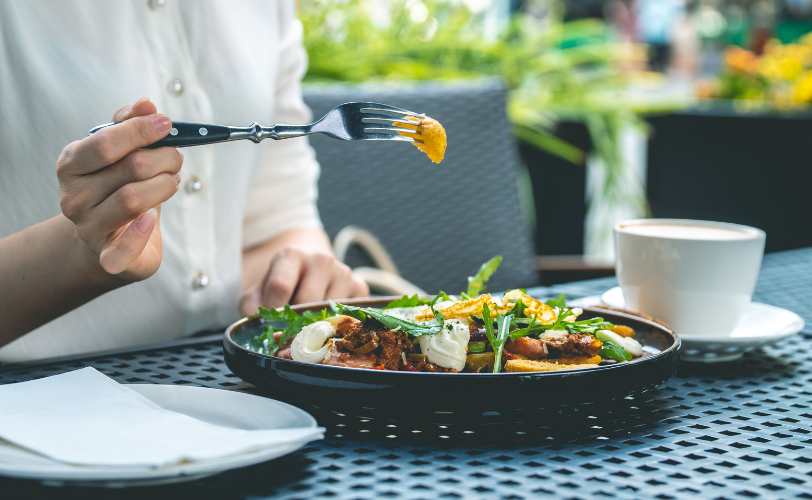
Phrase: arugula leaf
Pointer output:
(518, 309)
(614, 351)
(486, 316)
(559, 302)
(476, 283)
(588, 326)
(499, 338)
(432, 327)
(407, 301)
(293, 325)
(503, 333)
(530, 329)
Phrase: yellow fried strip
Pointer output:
(546, 314)
(526, 365)
(462, 309)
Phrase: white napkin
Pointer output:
(85, 418)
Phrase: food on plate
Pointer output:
(431, 133)
(473, 333)
(529, 365)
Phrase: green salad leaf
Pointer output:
(414, 301)
(500, 336)
(476, 283)
(588, 326)
(432, 327)
(407, 301)
(293, 324)
(614, 351)
(518, 309)
(559, 302)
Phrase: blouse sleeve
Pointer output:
(285, 189)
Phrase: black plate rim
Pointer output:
(231, 345)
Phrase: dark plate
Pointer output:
(340, 389)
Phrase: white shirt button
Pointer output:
(194, 185)
(200, 281)
(176, 86)
(154, 4)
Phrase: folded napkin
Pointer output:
(85, 418)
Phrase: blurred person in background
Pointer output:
(124, 246)
(656, 20)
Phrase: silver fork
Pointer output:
(352, 121)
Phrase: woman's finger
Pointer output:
(142, 107)
(341, 283)
(135, 167)
(111, 144)
(124, 205)
(316, 277)
(119, 254)
(359, 288)
(250, 301)
(283, 278)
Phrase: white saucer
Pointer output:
(225, 408)
(761, 325)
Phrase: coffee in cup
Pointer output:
(697, 276)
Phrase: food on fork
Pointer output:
(430, 132)
(473, 333)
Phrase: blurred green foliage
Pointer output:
(553, 69)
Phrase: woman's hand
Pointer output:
(112, 190)
(301, 270)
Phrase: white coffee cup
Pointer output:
(697, 276)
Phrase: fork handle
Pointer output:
(185, 134)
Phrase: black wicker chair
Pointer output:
(438, 222)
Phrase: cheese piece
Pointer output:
(448, 348)
(310, 345)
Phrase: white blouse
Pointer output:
(67, 65)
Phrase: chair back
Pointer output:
(439, 222)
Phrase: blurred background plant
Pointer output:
(781, 76)
(554, 70)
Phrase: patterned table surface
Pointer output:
(733, 430)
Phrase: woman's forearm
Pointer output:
(46, 271)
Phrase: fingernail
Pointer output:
(177, 179)
(146, 220)
(162, 123)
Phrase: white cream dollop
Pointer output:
(628, 343)
(310, 345)
(449, 347)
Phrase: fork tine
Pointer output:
(389, 109)
(390, 137)
(387, 120)
(393, 129)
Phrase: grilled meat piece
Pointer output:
(284, 350)
(346, 325)
(569, 345)
(426, 366)
(391, 346)
(338, 357)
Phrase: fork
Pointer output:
(352, 121)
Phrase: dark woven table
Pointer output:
(734, 430)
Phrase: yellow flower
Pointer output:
(790, 68)
(739, 60)
(803, 88)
